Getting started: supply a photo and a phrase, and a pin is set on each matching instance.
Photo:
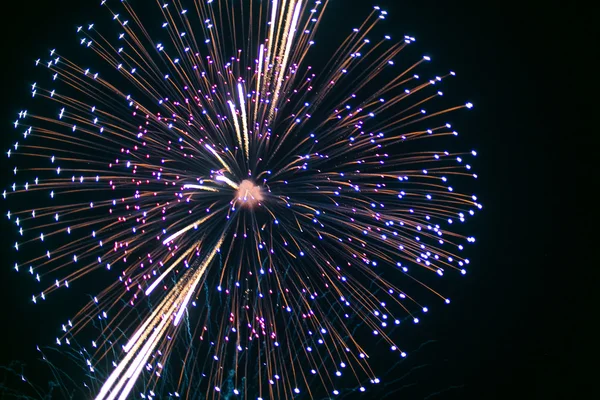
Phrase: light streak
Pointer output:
(200, 187)
(223, 178)
(244, 120)
(218, 157)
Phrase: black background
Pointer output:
(513, 329)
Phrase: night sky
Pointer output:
(508, 332)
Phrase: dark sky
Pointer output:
(509, 332)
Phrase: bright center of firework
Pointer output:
(248, 193)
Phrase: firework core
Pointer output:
(248, 193)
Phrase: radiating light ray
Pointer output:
(218, 157)
(288, 38)
(261, 54)
(195, 280)
(200, 187)
(187, 228)
(238, 132)
(244, 120)
(168, 270)
(223, 178)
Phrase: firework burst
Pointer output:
(250, 213)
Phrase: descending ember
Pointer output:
(241, 219)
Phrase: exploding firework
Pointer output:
(238, 216)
